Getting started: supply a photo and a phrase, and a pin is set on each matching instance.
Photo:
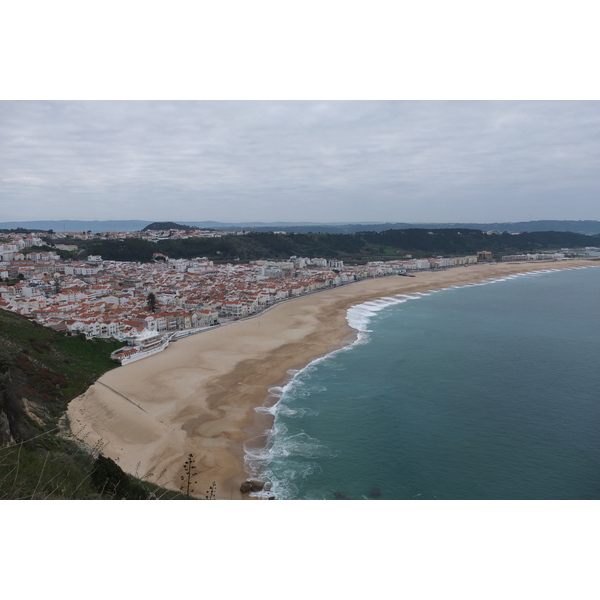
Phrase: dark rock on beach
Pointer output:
(252, 486)
(257, 486)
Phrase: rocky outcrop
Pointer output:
(252, 486)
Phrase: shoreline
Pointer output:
(199, 395)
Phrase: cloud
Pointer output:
(317, 161)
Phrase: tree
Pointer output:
(151, 302)
(190, 471)
(189, 468)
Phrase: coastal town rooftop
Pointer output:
(111, 299)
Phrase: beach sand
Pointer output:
(198, 396)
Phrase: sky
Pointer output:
(85, 134)
(299, 161)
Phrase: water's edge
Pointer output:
(258, 449)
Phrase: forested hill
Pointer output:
(165, 225)
(357, 247)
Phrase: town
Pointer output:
(148, 305)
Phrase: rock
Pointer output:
(246, 487)
(257, 486)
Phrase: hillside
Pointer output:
(358, 247)
(40, 372)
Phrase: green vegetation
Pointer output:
(108, 478)
(65, 471)
(151, 302)
(49, 247)
(40, 372)
(357, 247)
(165, 225)
(50, 367)
(23, 230)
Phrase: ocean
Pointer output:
(484, 391)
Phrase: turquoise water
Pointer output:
(488, 391)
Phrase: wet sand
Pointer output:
(198, 396)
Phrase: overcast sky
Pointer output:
(331, 161)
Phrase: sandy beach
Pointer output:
(198, 396)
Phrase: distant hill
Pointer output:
(165, 225)
(77, 226)
(588, 227)
(585, 227)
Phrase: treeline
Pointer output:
(455, 242)
(363, 246)
(23, 230)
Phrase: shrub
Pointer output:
(110, 480)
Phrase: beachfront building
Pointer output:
(144, 344)
(206, 318)
(457, 261)
(536, 256)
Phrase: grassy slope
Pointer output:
(40, 372)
